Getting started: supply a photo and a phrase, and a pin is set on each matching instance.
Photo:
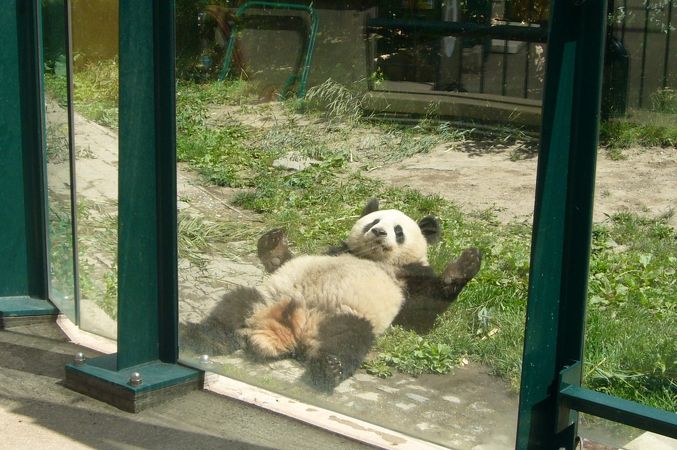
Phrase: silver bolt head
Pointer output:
(135, 379)
(79, 358)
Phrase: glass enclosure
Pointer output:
(291, 118)
(63, 283)
(82, 160)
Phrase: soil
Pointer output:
(477, 177)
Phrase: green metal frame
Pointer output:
(23, 246)
(147, 248)
(307, 54)
(550, 394)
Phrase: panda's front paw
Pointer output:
(457, 273)
(273, 249)
(326, 371)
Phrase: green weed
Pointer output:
(619, 134)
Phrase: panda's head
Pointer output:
(392, 237)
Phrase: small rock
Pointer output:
(371, 396)
(417, 398)
(405, 406)
(293, 161)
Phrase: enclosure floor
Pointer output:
(37, 411)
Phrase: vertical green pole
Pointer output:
(144, 370)
(148, 299)
(23, 244)
(562, 218)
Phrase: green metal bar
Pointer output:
(23, 242)
(618, 410)
(144, 371)
(147, 289)
(468, 29)
(72, 157)
(562, 218)
(308, 53)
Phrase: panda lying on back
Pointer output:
(428, 295)
(327, 310)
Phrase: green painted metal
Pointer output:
(26, 306)
(574, 397)
(147, 249)
(562, 218)
(23, 245)
(155, 374)
(307, 54)
(469, 29)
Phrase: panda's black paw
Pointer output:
(326, 371)
(273, 249)
(457, 273)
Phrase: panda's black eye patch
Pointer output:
(368, 226)
(399, 234)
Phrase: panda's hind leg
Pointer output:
(275, 330)
(341, 343)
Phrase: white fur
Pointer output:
(342, 283)
(364, 283)
(385, 248)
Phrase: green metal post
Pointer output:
(147, 249)
(148, 298)
(23, 243)
(562, 218)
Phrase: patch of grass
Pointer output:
(337, 101)
(96, 92)
(198, 237)
(664, 100)
(619, 134)
(57, 144)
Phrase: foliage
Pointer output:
(620, 134)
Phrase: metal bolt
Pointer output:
(204, 359)
(135, 379)
(79, 358)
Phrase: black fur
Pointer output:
(344, 342)
(372, 205)
(399, 235)
(431, 229)
(215, 335)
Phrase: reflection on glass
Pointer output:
(269, 172)
(60, 220)
(95, 44)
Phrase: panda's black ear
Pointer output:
(431, 229)
(371, 207)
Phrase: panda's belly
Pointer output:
(339, 284)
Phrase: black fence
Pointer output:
(499, 48)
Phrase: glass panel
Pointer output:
(630, 347)
(59, 175)
(95, 46)
(382, 115)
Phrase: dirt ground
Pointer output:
(479, 177)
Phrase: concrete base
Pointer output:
(98, 378)
(21, 311)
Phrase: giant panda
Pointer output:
(428, 295)
(327, 310)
